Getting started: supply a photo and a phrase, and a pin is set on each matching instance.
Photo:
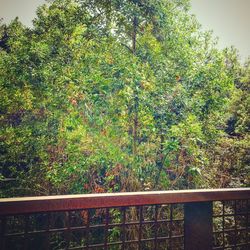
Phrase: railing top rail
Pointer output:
(23, 205)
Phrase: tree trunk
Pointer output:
(136, 98)
(160, 159)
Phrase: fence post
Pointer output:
(198, 226)
(2, 233)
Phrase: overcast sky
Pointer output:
(229, 19)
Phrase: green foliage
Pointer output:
(113, 96)
(230, 159)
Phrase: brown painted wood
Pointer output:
(198, 226)
(24, 205)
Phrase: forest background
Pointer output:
(120, 95)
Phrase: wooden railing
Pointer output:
(187, 219)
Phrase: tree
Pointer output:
(230, 159)
(110, 96)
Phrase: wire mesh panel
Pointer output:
(139, 227)
(231, 225)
